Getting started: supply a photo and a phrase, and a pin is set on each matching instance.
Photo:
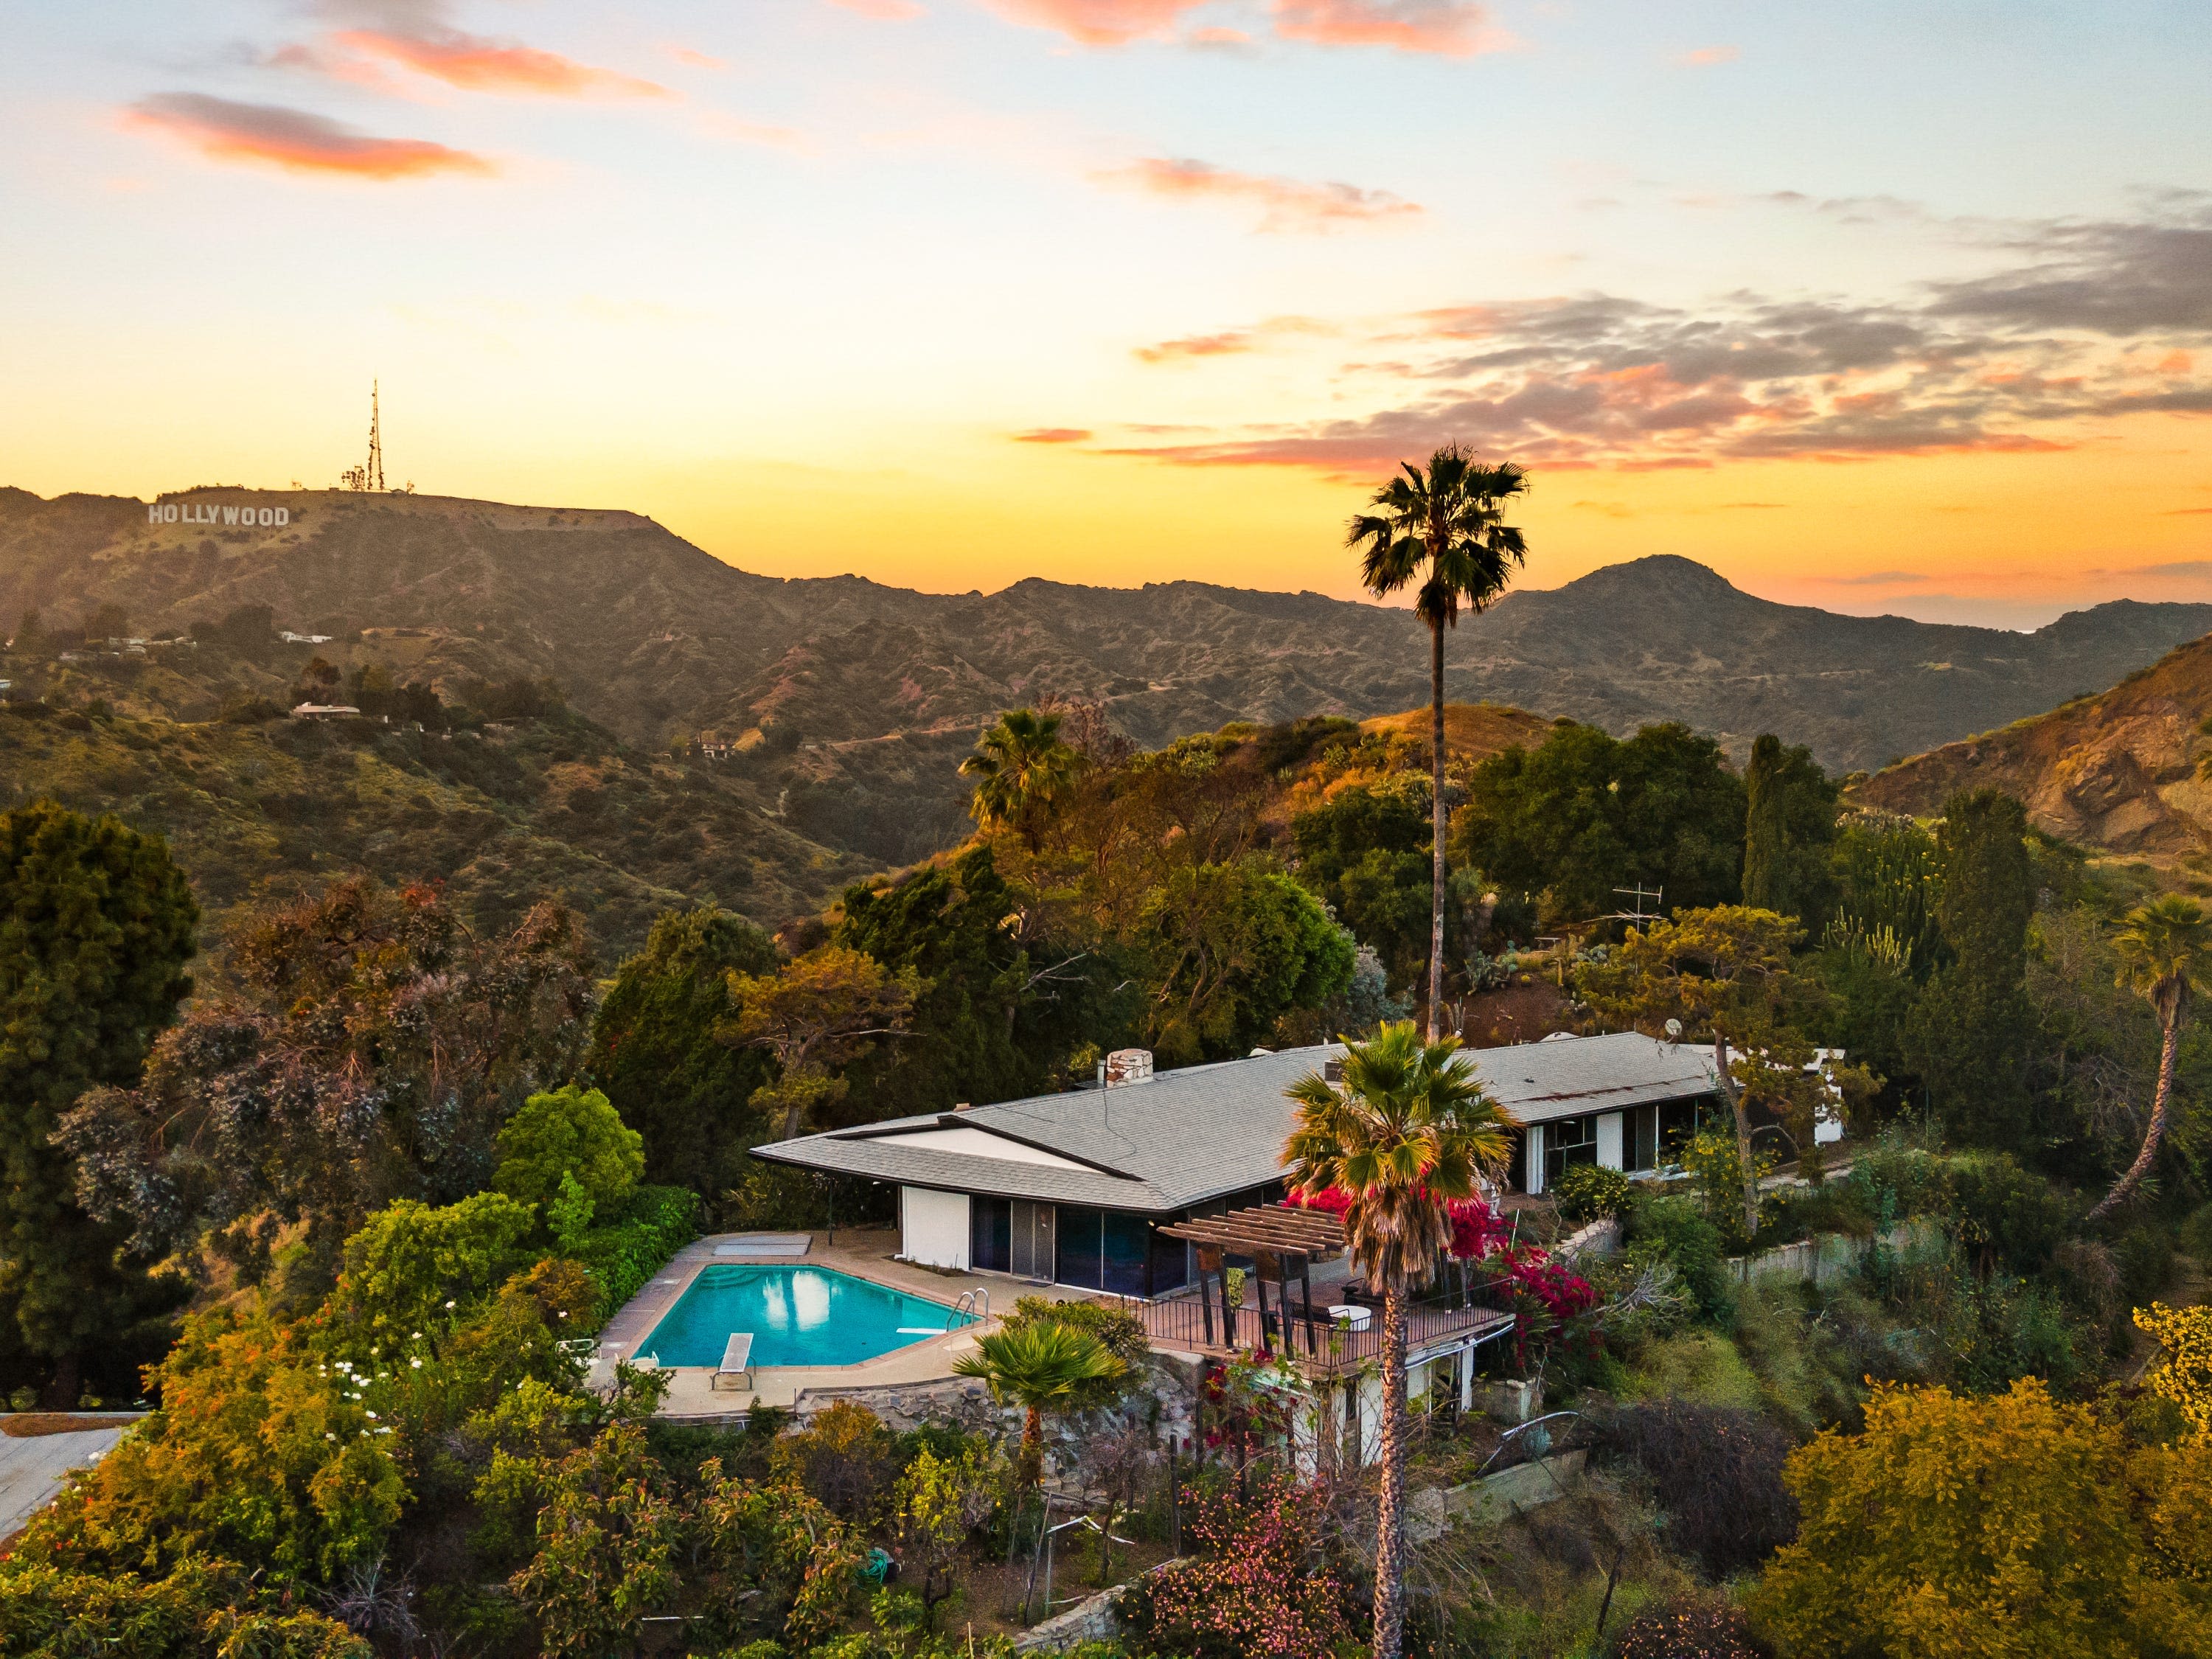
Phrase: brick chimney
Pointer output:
(1126, 1065)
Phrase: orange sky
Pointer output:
(1904, 308)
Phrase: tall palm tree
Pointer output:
(1445, 526)
(1042, 1367)
(2163, 949)
(1405, 1134)
(1020, 767)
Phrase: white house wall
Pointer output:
(933, 1227)
(1609, 1153)
(1532, 1178)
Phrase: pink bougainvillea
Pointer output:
(1257, 1582)
(1476, 1229)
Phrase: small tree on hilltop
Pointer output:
(816, 1013)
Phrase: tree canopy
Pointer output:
(1584, 813)
(96, 924)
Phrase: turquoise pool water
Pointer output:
(798, 1316)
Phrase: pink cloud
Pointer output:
(1100, 22)
(1706, 56)
(1448, 29)
(884, 11)
(475, 64)
(1291, 205)
(692, 58)
(269, 135)
(1053, 434)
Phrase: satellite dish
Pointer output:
(1673, 1031)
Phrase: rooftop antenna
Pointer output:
(1639, 917)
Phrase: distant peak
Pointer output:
(1664, 573)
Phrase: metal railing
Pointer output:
(1188, 1324)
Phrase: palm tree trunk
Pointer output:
(1390, 1507)
(1032, 1469)
(1437, 816)
(2168, 1050)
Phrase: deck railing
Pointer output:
(1186, 1323)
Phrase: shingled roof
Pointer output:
(1207, 1132)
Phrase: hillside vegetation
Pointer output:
(2120, 771)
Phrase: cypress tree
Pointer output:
(1968, 1037)
(96, 924)
(1765, 829)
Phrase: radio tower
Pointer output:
(369, 475)
(373, 474)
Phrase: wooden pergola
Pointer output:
(1279, 1239)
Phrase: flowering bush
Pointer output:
(1258, 1584)
(1546, 1297)
(1476, 1229)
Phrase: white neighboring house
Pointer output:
(325, 711)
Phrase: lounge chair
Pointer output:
(736, 1370)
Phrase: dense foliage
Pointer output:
(96, 924)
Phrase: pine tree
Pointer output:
(96, 923)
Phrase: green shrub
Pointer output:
(2195, 1234)
(2004, 1216)
(1671, 1228)
(655, 1222)
(1587, 1192)
(569, 1132)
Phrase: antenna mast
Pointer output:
(373, 474)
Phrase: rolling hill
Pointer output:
(2119, 771)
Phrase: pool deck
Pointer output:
(864, 1253)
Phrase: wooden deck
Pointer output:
(1185, 1324)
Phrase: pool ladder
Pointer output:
(968, 1305)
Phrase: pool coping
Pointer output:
(927, 1359)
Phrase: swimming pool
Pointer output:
(798, 1316)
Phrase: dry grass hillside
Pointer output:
(2117, 771)
(1473, 731)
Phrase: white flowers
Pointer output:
(449, 1305)
(415, 1365)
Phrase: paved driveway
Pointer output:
(31, 1468)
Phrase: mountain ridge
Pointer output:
(852, 701)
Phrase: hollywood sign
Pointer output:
(209, 512)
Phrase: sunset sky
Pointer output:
(1901, 304)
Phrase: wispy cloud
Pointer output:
(1100, 22)
(1448, 29)
(1053, 434)
(1229, 343)
(474, 63)
(2177, 568)
(1284, 204)
(1875, 579)
(1707, 56)
(296, 140)
(885, 11)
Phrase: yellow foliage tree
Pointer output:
(2005, 1527)
(816, 1013)
(2184, 1376)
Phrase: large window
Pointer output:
(1111, 1250)
(1678, 1127)
(1567, 1142)
(990, 1246)
(1170, 1263)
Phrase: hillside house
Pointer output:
(1075, 1188)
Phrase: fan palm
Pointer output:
(1444, 527)
(2162, 954)
(1021, 768)
(1407, 1132)
(1042, 1367)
